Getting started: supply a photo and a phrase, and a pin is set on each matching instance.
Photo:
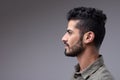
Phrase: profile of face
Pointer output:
(73, 40)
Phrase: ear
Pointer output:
(88, 37)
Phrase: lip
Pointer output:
(66, 46)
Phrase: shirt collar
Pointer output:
(90, 69)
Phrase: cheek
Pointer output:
(73, 40)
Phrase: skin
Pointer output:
(72, 40)
(86, 52)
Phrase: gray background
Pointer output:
(30, 38)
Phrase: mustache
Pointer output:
(66, 43)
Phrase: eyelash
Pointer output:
(69, 33)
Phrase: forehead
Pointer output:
(72, 24)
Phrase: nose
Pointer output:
(64, 39)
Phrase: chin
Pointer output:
(70, 54)
(74, 53)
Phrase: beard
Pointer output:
(75, 50)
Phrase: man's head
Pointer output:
(86, 27)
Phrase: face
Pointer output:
(72, 39)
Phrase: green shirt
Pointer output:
(95, 71)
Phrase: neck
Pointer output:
(88, 57)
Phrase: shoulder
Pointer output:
(104, 73)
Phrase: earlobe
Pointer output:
(88, 37)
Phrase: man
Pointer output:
(84, 36)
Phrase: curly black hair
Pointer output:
(91, 20)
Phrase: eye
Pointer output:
(69, 32)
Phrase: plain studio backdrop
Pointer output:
(30, 38)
